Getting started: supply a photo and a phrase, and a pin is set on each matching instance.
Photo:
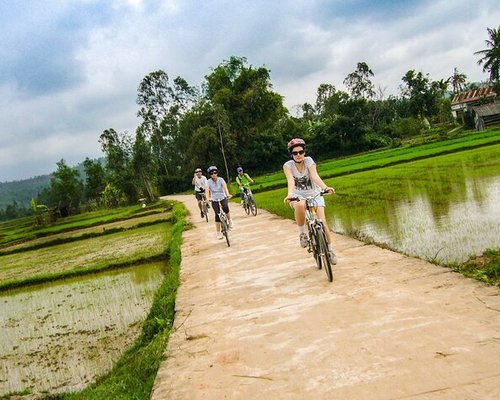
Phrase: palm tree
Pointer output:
(491, 57)
(457, 81)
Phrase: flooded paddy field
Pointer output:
(443, 209)
(59, 336)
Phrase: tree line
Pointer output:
(236, 118)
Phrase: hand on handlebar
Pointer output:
(328, 190)
(289, 199)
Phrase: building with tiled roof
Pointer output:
(471, 100)
(464, 100)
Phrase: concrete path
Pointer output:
(257, 320)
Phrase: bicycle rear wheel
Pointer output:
(325, 256)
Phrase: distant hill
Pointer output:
(22, 191)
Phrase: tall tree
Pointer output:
(359, 83)
(243, 104)
(490, 57)
(324, 95)
(418, 90)
(118, 150)
(162, 105)
(66, 188)
(145, 167)
(328, 100)
(95, 180)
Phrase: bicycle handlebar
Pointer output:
(322, 193)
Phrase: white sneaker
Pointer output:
(230, 224)
(218, 235)
(333, 257)
(304, 241)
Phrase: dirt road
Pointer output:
(257, 320)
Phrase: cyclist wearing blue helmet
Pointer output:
(216, 190)
(244, 181)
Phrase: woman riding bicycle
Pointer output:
(303, 181)
(216, 190)
(244, 181)
(200, 183)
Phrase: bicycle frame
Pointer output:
(249, 202)
(318, 244)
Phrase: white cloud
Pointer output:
(70, 72)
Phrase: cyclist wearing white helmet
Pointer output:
(303, 181)
(200, 183)
(216, 190)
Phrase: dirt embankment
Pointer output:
(257, 320)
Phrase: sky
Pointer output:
(71, 69)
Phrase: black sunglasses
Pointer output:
(213, 172)
(296, 153)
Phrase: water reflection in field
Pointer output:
(60, 336)
(445, 209)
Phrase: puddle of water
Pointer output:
(60, 336)
(445, 209)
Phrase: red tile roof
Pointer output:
(473, 95)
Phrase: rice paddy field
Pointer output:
(75, 295)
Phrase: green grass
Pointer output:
(485, 268)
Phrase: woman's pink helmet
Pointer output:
(295, 142)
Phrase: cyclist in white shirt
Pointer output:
(303, 181)
(216, 190)
(200, 183)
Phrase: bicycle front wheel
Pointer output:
(205, 210)
(246, 206)
(314, 245)
(252, 206)
(325, 256)
(224, 228)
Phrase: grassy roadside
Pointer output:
(133, 374)
(485, 268)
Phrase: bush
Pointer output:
(406, 127)
(372, 141)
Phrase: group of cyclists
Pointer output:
(302, 181)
